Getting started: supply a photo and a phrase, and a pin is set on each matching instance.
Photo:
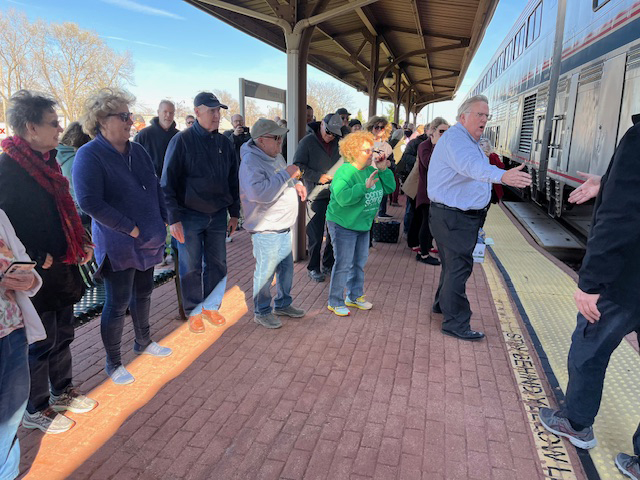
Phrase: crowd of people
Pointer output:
(198, 183)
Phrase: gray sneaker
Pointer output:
(628, 465)
(267, 320)
(556, 423)
(48, 420)
(290, 311)
(73, 401)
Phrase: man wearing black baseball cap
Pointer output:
(200, 182)
(317, 157)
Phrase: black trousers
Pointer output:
(50, 359)
(316, 227)
(591, 347)
(419, 232)
(456, 233)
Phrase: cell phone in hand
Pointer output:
(19, 267)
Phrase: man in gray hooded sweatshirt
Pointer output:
(269, 192)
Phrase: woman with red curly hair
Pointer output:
(356, 192)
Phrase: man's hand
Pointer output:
(588, 190)
(232, 225)
(177, 232)
(88, 254)
(324, 178)
(293, 171)
(135, 233)
(48, 261)
(239, 130)
(302, 191)
(372, 180)
(587, 304)
(516, 177)
(381, 162)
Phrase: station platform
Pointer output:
(381, 394)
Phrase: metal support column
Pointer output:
(371, 84)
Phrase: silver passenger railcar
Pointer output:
(598, 89)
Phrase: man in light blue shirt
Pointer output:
(459, 186)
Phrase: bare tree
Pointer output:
(252, 112)
(16, 49)
(327, 97)
(73, 63)
(229, 100)
(273, 112)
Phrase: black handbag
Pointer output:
(386, 232)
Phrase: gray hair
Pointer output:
(166, 102)
(436, 122)
(27, 107)
(466, 105)
(486, 145)
(100, 104)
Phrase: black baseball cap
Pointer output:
(342, 111)
(207, 99)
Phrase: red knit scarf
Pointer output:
(49, 176)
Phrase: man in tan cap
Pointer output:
(269, 192)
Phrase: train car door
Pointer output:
(608, 114)
(631, 95)
(562, 122)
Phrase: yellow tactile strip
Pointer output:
(118, 402)
(553, 456)
(546, 294)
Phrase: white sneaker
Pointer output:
(48, 420)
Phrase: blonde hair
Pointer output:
(466, 105)
(351, 145)
(436, 122)
(486, 146)
(420, 129)
(379, 119)
(100, 104)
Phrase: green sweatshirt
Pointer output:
(352, 205)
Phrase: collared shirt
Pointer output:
(460, 175)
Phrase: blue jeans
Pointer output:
(351, 250)
(272, 252)
(14, 392)
(126, 288)
(203, 261)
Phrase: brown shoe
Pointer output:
(195, 323)
(214, 317)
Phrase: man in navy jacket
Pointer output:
(200, 182)
(607, 297)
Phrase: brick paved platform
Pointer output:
(381, 394)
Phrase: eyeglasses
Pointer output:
(326, 130)
(124, 116)
(379, 127)
(53, 123)
(277, 138)
(344, 117)
(190, 122)
(442, 130)
(482, 115)
(367, 150)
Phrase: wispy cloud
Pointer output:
(138, 7)
(20, 3)
(202, 55)
(147, 44)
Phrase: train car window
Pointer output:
(534, 24)
(598, 4)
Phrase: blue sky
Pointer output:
(179, 50)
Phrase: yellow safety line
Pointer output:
(546, 294)
(554, 459)
(60, 455)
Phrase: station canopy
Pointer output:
(426, 44)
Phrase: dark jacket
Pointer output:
(611, 265)
(200, 174)
(424, 157)
(410, 155)
(119, 198)
(155, 140)
(237, 140)
(314, 161)
(34, 216)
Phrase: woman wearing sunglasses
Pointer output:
(116, 184)
(356, 192)
(420, 225)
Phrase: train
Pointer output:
(574, 127)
